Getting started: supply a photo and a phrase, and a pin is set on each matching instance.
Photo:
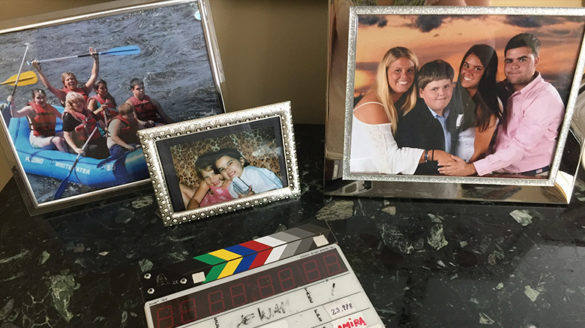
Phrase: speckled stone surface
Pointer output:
(422, 263)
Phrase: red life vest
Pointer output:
(107, 103)
(145, 109)
(128, 130)
(43, 124)
(87, 125)
(81, 91)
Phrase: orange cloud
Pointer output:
(449, 37)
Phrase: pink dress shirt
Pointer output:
(528, 138)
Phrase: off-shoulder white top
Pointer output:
(374, 149)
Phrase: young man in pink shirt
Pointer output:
(526, 140)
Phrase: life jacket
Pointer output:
(128, 130)
(43, 124)
(145, 109)
(86, 126)
(107, 103)
(81, 91)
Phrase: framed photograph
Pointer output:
(466, 103)
(160, 60)
(224, 163)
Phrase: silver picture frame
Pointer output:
(263, 136)
(172, 48)
(343, 48)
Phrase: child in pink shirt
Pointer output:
(213, 188)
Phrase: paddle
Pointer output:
(26, 78)
(119, 51)
(20, 69)
(65, 181)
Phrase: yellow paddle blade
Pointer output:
(26, 78)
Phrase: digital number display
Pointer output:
(239, 292)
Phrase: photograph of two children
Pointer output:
(460, 95)
(222, 163)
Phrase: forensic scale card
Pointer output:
(316, 288)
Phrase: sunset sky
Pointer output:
(448, 37)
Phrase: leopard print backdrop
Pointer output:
(258, 146)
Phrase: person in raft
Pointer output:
(122, 131)
(79, 125)
(102, 103)
(146, 108)
(214, 187)
(246, 179)
(69, 80)
(42, 118)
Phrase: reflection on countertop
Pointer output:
(422, 263)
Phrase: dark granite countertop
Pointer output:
(422, 263)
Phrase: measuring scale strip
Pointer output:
(233, 260)
(315, 289)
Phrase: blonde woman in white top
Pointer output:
(376, 117)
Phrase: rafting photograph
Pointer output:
(74, 94)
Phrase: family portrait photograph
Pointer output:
(75, 92)
(444, 95)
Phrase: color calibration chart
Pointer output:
(314, 288)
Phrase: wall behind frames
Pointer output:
(272, 50)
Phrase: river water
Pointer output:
(173, 62)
